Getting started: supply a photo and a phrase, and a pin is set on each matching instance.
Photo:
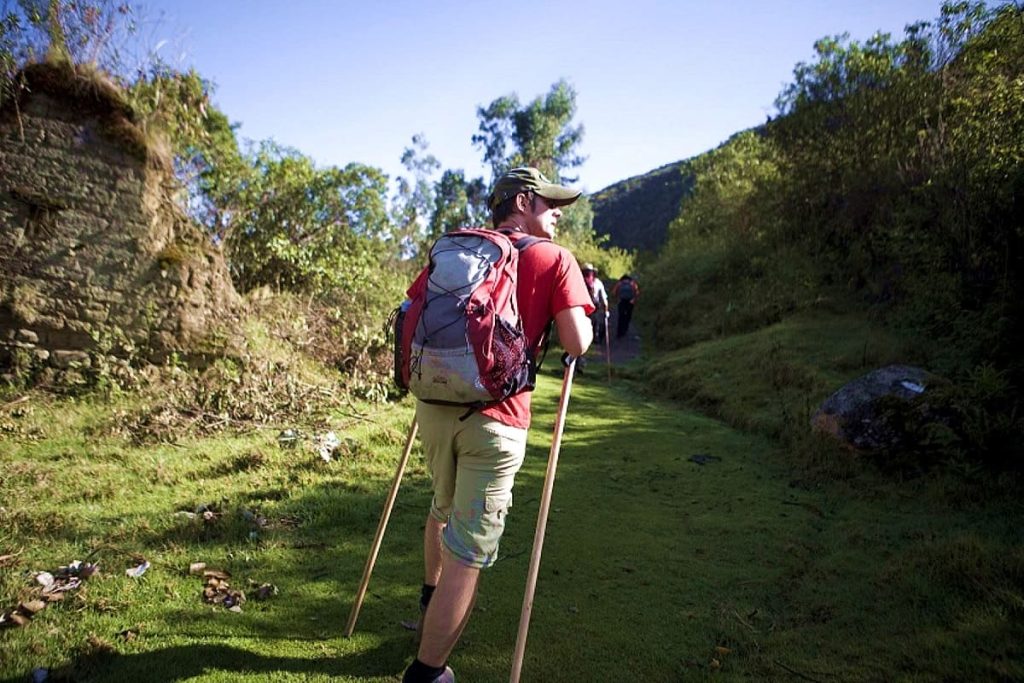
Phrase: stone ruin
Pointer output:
(95, 255)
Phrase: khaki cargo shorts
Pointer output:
(472, 463)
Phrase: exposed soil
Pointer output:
(623, 349)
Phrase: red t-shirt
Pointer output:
(550, 282)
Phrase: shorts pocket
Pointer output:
(498, 503)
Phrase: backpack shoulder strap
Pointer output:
(523, 242)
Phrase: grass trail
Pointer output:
(654, 566)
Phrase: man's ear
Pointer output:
(521, 202)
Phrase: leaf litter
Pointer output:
(217, 589)
(48, 587)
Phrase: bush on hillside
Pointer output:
(891, 183)
(720, 272)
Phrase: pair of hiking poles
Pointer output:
(538, 538)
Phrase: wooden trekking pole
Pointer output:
(607, 346)
(542, 520)
(381, 526)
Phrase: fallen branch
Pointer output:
(743, 621)
(807, 506)
(9, 404)
(801, 675)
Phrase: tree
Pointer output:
(306, 229)
(207, 160)
(458, 203)
(414, 201)
(540, 134)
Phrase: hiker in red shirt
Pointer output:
(473, 459)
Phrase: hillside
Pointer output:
(635, 212)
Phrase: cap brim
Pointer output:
(558, 195)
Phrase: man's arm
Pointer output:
(574, 330)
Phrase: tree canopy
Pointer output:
(539, 134)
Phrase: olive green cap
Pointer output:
(529, 179)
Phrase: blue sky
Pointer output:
(656, 80)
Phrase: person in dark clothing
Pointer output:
(625, 292)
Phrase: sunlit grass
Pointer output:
(654, 566)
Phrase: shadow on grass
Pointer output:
(182, 662)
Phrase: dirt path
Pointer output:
(623, 350)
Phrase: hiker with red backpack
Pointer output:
(626, 291)
(473, 414)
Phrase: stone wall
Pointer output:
(94, 254)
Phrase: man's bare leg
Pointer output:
(449, 610)
(432, 550)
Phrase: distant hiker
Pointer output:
(473, 456)
(599, 297)
(625, 291)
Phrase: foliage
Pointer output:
(719, 274)
(890, 184)
(576, 234)
(306, 229)
(207, 160)
(967, 426)
(8, 62)
(414, 200)
(539, 134)
(907, 189)
(93, 33)
(79, 32)
(458, 203)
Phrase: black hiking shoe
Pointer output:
(446, 676)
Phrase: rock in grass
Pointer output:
(866, 413)
(31, 607)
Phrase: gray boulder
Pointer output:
(871, 412)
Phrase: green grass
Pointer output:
(765, 380)
(651, 561)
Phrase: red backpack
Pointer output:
(460, 338)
